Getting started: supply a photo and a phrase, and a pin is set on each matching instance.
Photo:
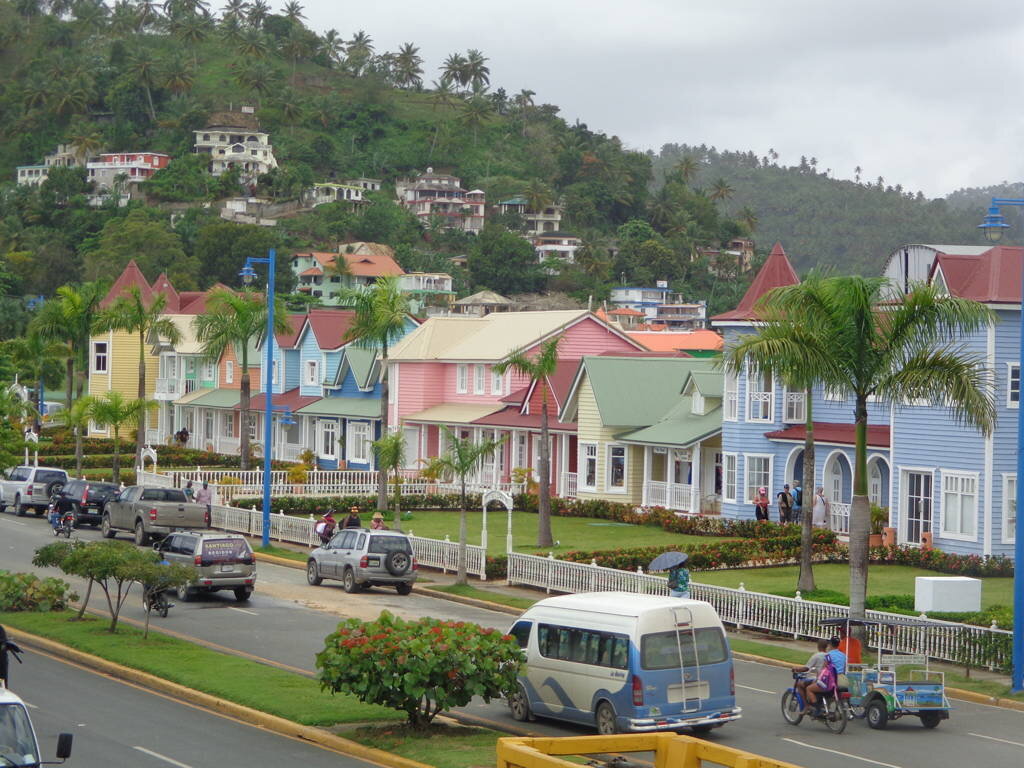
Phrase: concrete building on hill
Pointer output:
(34, 175)
(234, 140)
(547, 219)
(437, 195)
(127, 169)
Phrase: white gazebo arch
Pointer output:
(505, 499)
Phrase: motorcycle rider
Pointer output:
(811, 669)
(835, 665)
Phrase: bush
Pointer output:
(27, 592)
(420, 667)
(496, 567)
(890, 603)
(943, 562)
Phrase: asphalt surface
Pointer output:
(286, 620)
(116, 724)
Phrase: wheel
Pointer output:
(348, 581)
(397, 563)
(313, 574)
(835, 715)
(3, 507)
(141, 537)
(791, 709)
(66, 530)
(164, 607)
(242, 594)
(54, 488)
(877, 714)
(74, 517)
(19, 510)
(105, 529)
(184, 593)
(930, 719)
(403, 588)
(519, 705)
(604, 718)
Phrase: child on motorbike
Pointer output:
(811, 669)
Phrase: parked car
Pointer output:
(221, 560)
(85, 499)
(27, 488)
(362, 558)
(151, 511)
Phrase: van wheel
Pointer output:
(242, 594)
(313, 574)
(105, 529)
(519, 705)
(141, 537)
(604, 718)
(348, 581)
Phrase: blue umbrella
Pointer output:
(668, 560)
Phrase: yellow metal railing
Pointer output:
(670, 750)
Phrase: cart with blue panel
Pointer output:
(897, 684)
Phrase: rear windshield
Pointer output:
(49, 475)
(662, 651)
(103, 488)
(163, 494)
(20, 473)
(221, 550)
(382, 544)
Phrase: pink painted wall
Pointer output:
(589, 337)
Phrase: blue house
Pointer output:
(934, 475)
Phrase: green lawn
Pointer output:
(570, 532)
(442, 746)
(882, 580)
(288, 554)
(268, 689)
(466, 590)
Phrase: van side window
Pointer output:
(521, 632)
(583, 646)
(620, 652)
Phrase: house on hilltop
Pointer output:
(431, 195)
(234, 140)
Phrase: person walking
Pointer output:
(205, 496)
(190, 492)
(377, 522)
(352, 521)
(798, 501)
(761, 504)
(325, 527)
(679, 581)
(785, 499)
(821, 508)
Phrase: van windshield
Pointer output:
(16, 740)
(661, 650)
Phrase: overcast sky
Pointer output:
(924, 93)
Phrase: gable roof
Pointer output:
(993, 276)
(776, 272)
(329, 326)
(484, 297)
(679, 427)
(288, 339)
(130, 277)
(363, 259)
(362, 362)
(667, 341)
(708, 383)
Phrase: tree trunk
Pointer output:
(382, 479)
(398, 500)
(85, 602)
(806, 580)
(149, 98)
(78, 450)
(544, 538)
(115, 466)
(243, 411)
(69, 381)
(140, 436)
(38, 420)
(463, 535)
(860, 514)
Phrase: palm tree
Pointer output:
(453, 70)
(38, 358)
(233, 9)
(382, 312)
(296, 46)
(539, 369)
(36, 91)
(70, 96)
(686, 169)
(123, 19)
(258, 12)
(291, 108)
(748, 217)
(524, 104)
(130, 313)
(258, 77)
(178, 76)
(77, 417)
(86, 142)
(115, 410)
(231, 32)
(538, 195)
(146, 13)
(443, 96)
(390, 450)
(359, 51)
(237, 319)
(720, 190)
(143, 67)
(332, 46)
(459, 460)
(293, 11)
(858, 340)
(89, 15)
(191, 30)
(409, 66)
(253, 45)
(476, 113)
(477, 71)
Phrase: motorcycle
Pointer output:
(156, 601)
(833, 709)
(64, 525)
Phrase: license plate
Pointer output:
(226, 568)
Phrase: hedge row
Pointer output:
(167, 458)
(317, 505)
(944, 562)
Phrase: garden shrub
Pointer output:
(27, 592)
(944, 562)
(420, 667)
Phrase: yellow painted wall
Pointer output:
(590, 429)
(123, 370)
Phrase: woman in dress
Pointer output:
(820, 519)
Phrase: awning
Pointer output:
(290, 399)
(351, 407)
(451, 413)
(214, 398)
(192, 396)
(512, 418)
(829, 432)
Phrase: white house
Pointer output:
(234, 140)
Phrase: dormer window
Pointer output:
(698, 404)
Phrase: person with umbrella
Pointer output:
(678, 575)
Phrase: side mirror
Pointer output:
(64, 745)
(158, 546)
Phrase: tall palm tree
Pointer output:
(132, 314)
(292, 11)
(686, 169)
(77, 417)
(539, 369)
(524, 106)
(296, 46)
(116, 411)
(233, 9)
(859, 341)
(459, 460)
(86, 142)
(144, 68)
(70, 96)
(443, 96)
(123, 18)
(359, 51)
(409, 66)
(720, 190)
(453, 70)
(237, 319)
(258, 12)
(258, 77)
(231, 32)
(146, 13)
(475, 113)
(382, 314)
(390, 450)
(178, 75)
(538, 195)
(39, 359)
(253, 45)
(70, 317)
(477, 71)
(191, 30)
(332, 46)
(748, 218)
(291, 108)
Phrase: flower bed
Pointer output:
(944, 562)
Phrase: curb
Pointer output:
(275, 560)
(253, 717)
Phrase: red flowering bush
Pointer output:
(418, 667)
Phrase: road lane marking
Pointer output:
(242, 610)
(844, 754)
(158, 756)
(758, 690)
(995, 738)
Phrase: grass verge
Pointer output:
(239, 680)
(442, 745)
(287, 554)
(465, 590)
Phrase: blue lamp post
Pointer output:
(248, 274)
(993, 226)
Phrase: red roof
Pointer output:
(290, 337)
(163, 285)
(517, 397)
(512, 417)
(776, 272)
(826, 432)
(311, 271)
(290, 399)
(667, 341)
(993, 276)
(366, 260)
(627, 311)
(330, 326)
(131, 277)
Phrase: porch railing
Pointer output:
(668, 495)
(569, 485)
(839, 517)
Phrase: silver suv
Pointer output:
(27, 488)
(221, 560)
(362, 558)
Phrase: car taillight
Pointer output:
(152, 514)
(415, 565)
(364, 562)
(732, 681)
(28, 491)
(85, 495)
(206, 518)
(638, 691)
(198, 560)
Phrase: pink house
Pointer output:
(443, 374)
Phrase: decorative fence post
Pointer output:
(551, 570)
(742, 605)
(593, 574)
(798, 615)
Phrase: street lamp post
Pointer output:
(993, 226)
(248, 274)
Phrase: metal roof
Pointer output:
(355, 407)
(450, 413)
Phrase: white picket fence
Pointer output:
(944, 641)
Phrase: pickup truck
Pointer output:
(151, 511)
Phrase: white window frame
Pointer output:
(904, 501)
(97, 428)
(697, 403)
(209, 424)
(497, 382)
(461, 379)
(479, 379)
(311, 373)
(1009, 506)
(958, 483)
(586, 453)
(731, 400)
(750, 489)
(227, 424)
(254, 426)
(1011, 368)
(325, 427)
(208, 371)
(229, 371)
(97, 356)
(752, 375)
(358, 442)
(727, 459)
(275, 376)
(794, 397)
(522, 451)
(609, 451)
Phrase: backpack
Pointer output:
(827, 677)
(798, 497)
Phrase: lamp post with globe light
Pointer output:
(993, 227)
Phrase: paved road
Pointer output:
(116, 724)
(286, 621)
